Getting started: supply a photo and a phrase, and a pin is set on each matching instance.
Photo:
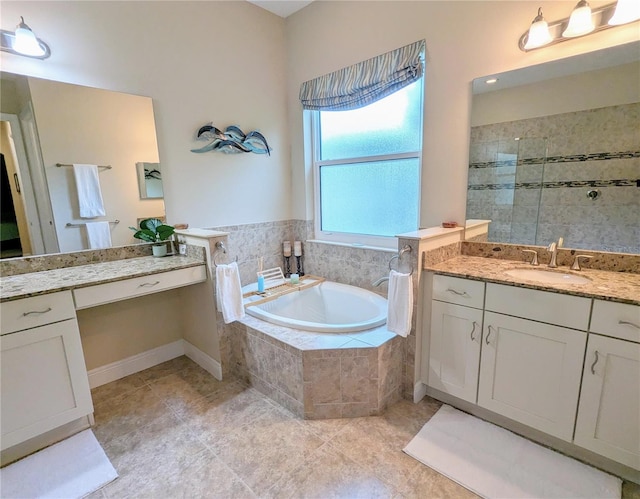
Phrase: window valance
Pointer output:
(366, 82)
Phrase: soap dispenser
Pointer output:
(260, 276)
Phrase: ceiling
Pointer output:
(282, 8)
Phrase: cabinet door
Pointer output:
(609, 412)
(530, 372)
(454, 353)
(44, 381)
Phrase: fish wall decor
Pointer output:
(231, 141)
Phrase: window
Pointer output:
(367, 169)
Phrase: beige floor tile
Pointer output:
(426, 482)
(170, 367)
(264, 451)
(206, 477)
(630, 490)
(327, 474)
(127, 412)
(165, 436)
(377, 445)
(183, 388)
(116, 388)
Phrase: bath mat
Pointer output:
(69, 469)
(495, 463)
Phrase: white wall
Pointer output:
(591, 90)
(231, 62)
(464, 40)
(199, 61)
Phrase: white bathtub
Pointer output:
(329, 307)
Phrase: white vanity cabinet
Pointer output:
(530, 366)
(43, 377)
(456, 333)
(609, 412)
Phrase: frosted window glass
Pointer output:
(376, 198)
(389, 126)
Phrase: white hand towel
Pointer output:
(400, 303)
(229, 292)
(89, 194)
(98, 235)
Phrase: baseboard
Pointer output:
(419, 392)
(205, 361)
(121, 368)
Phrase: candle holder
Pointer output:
(299, 266)
(287, 266)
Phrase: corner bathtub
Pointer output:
(329, 307)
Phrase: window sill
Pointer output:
(353, 245)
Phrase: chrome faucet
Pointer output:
(554, 247)
(379, 281)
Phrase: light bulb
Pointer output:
(580, 22)
(26, 42)
(538, 33)
(626, 11)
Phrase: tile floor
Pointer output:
(174, 431)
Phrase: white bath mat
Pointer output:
(69, 469)
(495, 463)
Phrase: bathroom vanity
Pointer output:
(44, 378)
(543, 359)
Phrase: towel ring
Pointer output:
(405, 249)
(215, 264)
(221, 247)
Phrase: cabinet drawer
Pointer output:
(36, 311)
(619, 320)
(459, 291)
(138, 286)
(552, 308)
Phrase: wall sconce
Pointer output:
(23, 42)
(582, 21)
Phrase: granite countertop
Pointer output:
(621, 287)
(49, 281)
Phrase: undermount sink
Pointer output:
(547, 276)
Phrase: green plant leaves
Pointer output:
(153, 230)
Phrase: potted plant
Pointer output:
(153, 230)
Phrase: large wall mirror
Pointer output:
(555, 152)
(49, 126)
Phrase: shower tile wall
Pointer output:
(587, 150)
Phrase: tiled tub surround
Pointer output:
(318, 375)
(535, 189)
(345, 264)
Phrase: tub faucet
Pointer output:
(379, 281)
(554, 247)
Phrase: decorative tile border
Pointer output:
(554, 185)
(573, 158)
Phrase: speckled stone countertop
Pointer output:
(49, 281)
(605, 285)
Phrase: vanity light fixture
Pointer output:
(583, 20)
(23, 42)
(491, 81)
(580, 22)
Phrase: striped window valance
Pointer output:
(366, 82)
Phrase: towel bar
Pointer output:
(60, 165)
(69, 224)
